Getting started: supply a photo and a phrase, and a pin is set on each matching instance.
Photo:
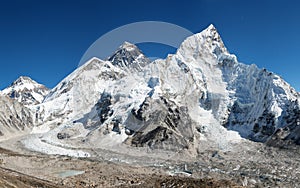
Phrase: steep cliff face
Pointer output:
(242, 97)
(14, 118)
(162, 124)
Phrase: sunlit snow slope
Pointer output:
(201, 94)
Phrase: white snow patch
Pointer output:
(34, 143)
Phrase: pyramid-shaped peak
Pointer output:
(126, 43)
(25, 82)
(126, 50)
(207, 41)
(211, 27)
(22, 80)
(130, 56)
(128, 46)
(26, 91)
(211, 31)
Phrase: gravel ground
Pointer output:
(248, 165)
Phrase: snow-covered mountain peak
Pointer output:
(203, 44)
(210, 30)
(212, 33)
(128, 46)
(26, 91)
(23, 80)
(211, 27)
(129, 56)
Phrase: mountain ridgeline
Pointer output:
(200, 94)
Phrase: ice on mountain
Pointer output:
(199, 97)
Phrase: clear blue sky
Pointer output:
(46, 39)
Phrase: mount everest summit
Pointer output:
(199, 95)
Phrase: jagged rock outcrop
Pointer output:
(103, 107)
(161, 124)
(289, 131)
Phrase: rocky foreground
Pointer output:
(257, 166)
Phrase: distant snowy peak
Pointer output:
(23, 80)
(129, 56)
(128, 46)
(26, 91)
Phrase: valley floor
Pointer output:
(18, 170)
(249, 165)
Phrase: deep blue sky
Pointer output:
(46, 39)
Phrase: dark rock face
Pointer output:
(116, 125)
(104, 107)
(267, 122)
(165, 125)
(263, 126)
(128, 55)
(139, 114)
(160, 138)
(289, 131)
